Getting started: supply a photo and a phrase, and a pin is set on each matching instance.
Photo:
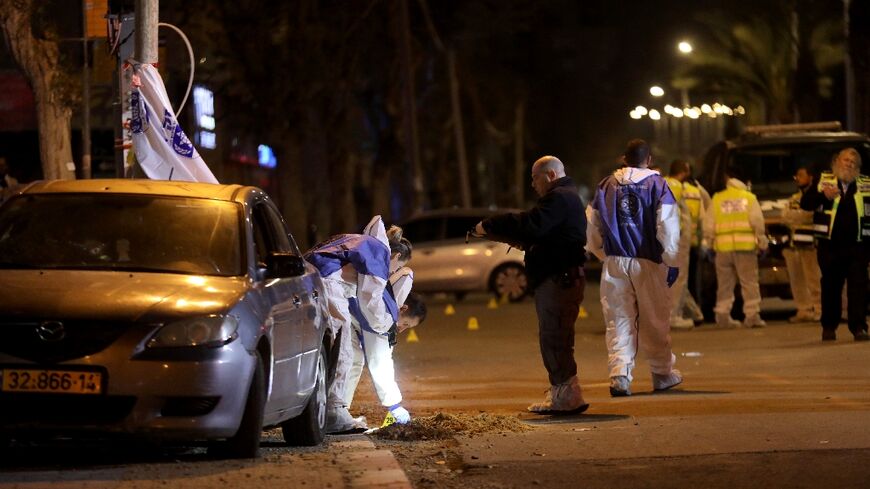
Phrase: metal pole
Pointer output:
(147, 16)
(86, 97)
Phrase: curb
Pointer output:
(364, 466)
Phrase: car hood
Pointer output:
(109, 295)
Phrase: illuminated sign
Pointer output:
(266, 157)
(203, 108)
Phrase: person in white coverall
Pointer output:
(735, 227)
(634, 229)
(376, 350)
(355, 269)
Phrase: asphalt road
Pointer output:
(771, 407)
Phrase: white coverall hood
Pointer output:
(628, 175)
(735, 183)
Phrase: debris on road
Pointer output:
(442, 426)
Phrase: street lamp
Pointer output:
(656, 91)
(684, 47)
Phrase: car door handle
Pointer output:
(297, 301)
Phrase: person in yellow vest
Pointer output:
(678, 173)
(735, 227)
(800, 256)
(840, 202)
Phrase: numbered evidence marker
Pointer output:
(412, 337)
(472, 324)
(449, 310)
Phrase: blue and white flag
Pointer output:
(163, 150)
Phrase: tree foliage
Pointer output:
(778, 59)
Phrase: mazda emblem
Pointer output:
(51, 331)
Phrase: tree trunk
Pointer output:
(859, 50)
(519, 150)
(40, 62)
(456, 109)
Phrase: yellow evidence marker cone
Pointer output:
(583, 314)
(503, 299)
(412, 337)
(493, 304)
(390, 419)
(472, 324)
(449, 310)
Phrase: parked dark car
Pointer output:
(768, 157)
(169, 310)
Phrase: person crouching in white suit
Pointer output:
(355, 270)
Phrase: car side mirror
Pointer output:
(284, 264)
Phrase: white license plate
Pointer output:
(51, 381)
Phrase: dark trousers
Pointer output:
(557, 302)
(844, 264)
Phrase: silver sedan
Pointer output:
(169, 310)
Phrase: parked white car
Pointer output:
(446, 259)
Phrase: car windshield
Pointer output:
(121, 232)
(770, 169)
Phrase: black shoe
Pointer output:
(862, 336)
(829, 335)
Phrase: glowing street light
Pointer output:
(654, 115)
(656, 91)
(640, 109)
(684, 47)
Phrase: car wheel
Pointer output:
(246, 442)
(308, 428)
(510, 280)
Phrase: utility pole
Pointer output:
(86, 96)
(147, 16)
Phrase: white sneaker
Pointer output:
(754, 322)
(620, 386)
(564, 398)
(338, 419)
(682, 323)
(726, 321)
(664, 382)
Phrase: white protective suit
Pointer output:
(347, 288)
(374, 350)
(634, 295)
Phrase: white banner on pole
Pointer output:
(163, 150)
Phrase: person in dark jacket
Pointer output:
(839, 202)
(552, 234)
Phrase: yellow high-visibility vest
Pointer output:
(676, 187)
(731, 216)
(823, 221)
(692, 198)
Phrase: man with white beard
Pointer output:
(840, 202)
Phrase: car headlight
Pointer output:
(210, 331)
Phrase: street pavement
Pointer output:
(770, 407)
(767, 407)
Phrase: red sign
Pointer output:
(17, 107)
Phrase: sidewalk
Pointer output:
(349, 462)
